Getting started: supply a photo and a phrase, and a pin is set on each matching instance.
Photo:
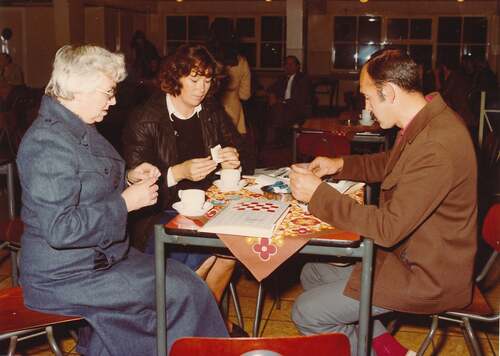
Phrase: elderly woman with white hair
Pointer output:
(75, 256)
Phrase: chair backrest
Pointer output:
(313, 143)
(491, 227)
(317, 345)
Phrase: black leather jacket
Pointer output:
(149, 137)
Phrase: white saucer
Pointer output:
(366, 123)
(223, 189)
(180, 209)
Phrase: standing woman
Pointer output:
(225, 48)
(174, 131)
(75, 256)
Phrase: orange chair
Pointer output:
(312, 143)
(16, 321)
(317, 345)
(479, 310)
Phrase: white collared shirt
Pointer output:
(288, 90)
(172, 111)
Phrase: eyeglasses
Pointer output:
(109, 93)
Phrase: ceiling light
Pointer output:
(363, 1)
(460, 0)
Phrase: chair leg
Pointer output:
(430, 335)
(13, 266)
(258, 310)
(472, 343)
(237, 306)
(12, 346)
(52, 341)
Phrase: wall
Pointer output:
(32, 45)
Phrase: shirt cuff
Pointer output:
(170, 178)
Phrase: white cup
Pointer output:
(366, 117)
(230, 177)
(192, 199)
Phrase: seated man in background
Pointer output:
(289, 101)
(424, 226)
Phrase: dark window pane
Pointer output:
(249, 50)
(176, 28)
(400, 47)
(449, 29)
(272, 28)
(369, 29)
(397, 29)
(365, 51)
(345, 28)
(421, 29)
(449, 55)
(344, 56)
(475, 29)
(198, 28)
(222, 25)
(245, 27)
(475, 51)
(172, 46)
(271, 55)
(422, 54)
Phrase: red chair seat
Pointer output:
(317, 345)
(14, 316)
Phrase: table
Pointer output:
(345, 124)
(335, 244)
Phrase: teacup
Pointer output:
(230, 177)
(192, 199)
(366, 115)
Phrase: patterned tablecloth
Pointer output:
(263, 255)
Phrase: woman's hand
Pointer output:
(230, 157)
(322, 166)
(194, 169)
(143, 171)
(141, 194)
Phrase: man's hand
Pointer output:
(230, 157)
(322, 166)
(303, 183)
(194, 169)
(143, 171)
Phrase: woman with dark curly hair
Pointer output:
(175, 131)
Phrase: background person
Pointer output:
(424, 226)
(289, 101)
(76, 258)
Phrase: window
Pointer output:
(459, 36)
(262, 39)
(185, 29)
(355, 40)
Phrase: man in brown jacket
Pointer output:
(425, 224)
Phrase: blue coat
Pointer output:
(75, 256)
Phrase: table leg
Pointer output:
(161, 330)
(258, 310)
(366, 291)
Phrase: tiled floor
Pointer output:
(276, 321)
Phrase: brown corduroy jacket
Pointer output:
(425, 224)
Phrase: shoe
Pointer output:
(238, 332)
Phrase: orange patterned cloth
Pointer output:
(261, 256)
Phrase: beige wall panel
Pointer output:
(40, 45)
(319, 62)
(94, 25)
(320, 32)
